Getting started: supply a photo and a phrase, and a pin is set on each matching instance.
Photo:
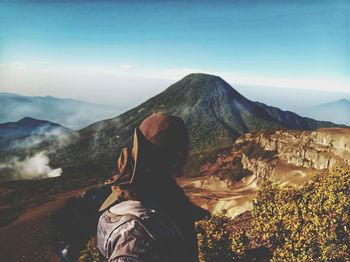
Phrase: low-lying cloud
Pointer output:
(36, 163)
(34, 167)
(61, 136)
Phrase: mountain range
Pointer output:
(19, 136)
(214, 112)
(71, 113)
(28, 126)
(337, 111)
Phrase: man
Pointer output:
(148, 217)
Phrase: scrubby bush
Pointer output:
(306, 224)
(216, 243)
(310, 223)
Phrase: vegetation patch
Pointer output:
(310, 223)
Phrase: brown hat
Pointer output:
(166, 131)
(160, 145)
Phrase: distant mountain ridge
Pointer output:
(337, 111)
(27, 126)
(28, 132)
(19, 143)
(214, 112)
(68, 112)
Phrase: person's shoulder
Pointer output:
(122, 237)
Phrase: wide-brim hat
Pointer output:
(160, 143)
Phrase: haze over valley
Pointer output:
(216, 115)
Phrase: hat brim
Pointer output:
(110, 200)
(139, 152)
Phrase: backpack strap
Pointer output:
(158, 226)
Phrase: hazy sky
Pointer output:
(125, 51)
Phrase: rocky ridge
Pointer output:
(287, 157)
(319, 150)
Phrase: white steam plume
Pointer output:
(35, 167)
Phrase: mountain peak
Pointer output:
(343, 101)
(28, 126)
(204, 85)
(200, 78)
(27, 118)
(31, 121)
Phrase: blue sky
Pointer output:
(80, 48)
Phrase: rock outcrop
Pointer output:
(318, 150)
(287, 157)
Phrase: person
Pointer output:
(148, 217)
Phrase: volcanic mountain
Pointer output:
(214, 112)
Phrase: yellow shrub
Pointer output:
(310, 223)
(216, 242)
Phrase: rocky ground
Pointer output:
(30, 236)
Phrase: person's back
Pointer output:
(148, 217)
(129, 231)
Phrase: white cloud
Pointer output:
(18, 65)
(126, 66)
(174, 73)
(326, 84)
